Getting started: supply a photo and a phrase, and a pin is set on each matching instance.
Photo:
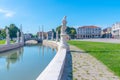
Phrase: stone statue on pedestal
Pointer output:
(57, 36)
(63, 42)
(17, 37)
(7, 37)
(22, 36)
(63, 28)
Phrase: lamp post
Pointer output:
(39, 33)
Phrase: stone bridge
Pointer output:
(36, 39)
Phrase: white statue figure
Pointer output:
(7, 37)
(56, 36)
(17, 33)
(17, 37)
(63, 28)
(22, 36)
(63, 43)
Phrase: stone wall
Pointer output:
(10, 46)
(54, 70)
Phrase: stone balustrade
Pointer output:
(54, 70)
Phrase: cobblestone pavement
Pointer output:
(86, 67)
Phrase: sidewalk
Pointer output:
(106, 40)
(86, 67)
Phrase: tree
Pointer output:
(2, 34)
(54, 33)
(58, 29)
(70, 31)
(13, 30)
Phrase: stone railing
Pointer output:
(55, 68)
(10, 46)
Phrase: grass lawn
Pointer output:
(3, 42)
(107, 53)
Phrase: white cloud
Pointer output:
(7, 13)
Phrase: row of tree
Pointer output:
(12, 31)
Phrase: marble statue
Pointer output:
(22, 36)
(63, 41)
(63, 28)
(7, 37)
(57, 36)
(17, 36)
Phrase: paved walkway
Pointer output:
(86, 67)
(101, 40)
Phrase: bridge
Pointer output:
(36, 39)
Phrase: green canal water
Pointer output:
(25, 63)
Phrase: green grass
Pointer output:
(3, 42)
(107, 53)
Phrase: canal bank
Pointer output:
(55, 68)
(4, 48)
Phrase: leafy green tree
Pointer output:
(58, 29)
(73, 32)
(70, 31)
(54, 32)
(13, 30)
(2, 34)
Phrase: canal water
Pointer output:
(25, 63)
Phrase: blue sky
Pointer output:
(49, 13)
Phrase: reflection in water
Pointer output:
(53, 50)
(25, 63)
(12, 56)
(43, 50)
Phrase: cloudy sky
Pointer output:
(49, 13)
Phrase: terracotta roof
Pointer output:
(89, 27)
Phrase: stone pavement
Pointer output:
(86, 67)
(106, 40)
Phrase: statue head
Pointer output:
(64, 22)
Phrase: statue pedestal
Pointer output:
(63, 42)
(7, 41)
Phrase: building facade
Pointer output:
(107, 33)
(88, 32)
(39, 34)
(116, 30)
